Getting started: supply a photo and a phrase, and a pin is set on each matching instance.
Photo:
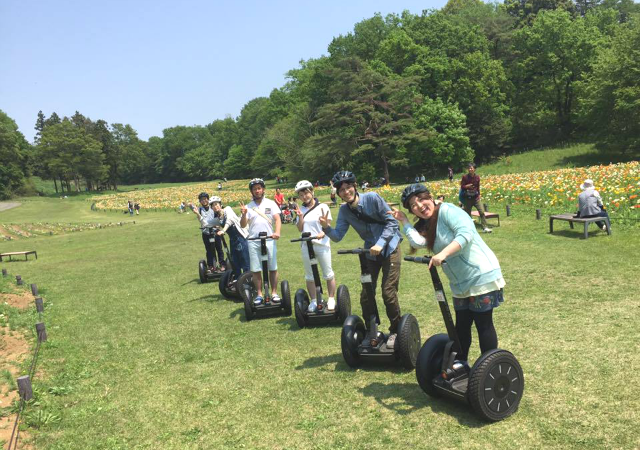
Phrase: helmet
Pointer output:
(410, 191)
(215, 199)
(344, 176)
(203, 195)
(255, 181)
(302, 185)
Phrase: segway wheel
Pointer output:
(247, 293)
(344, 303)
(353, 333)
(286, 297)
(223, 285)
(496, 385)
(301, 301)
(429, 362)
(202, 270)
(408, 342)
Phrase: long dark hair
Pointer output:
(427, 227)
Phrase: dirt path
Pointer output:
(8, 205)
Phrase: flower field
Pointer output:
(618, 184)
(29, 230)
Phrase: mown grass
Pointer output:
(140, 355)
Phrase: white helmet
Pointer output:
(302, 185)
(215, 199)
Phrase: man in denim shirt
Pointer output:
(367, 214)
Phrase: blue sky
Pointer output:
(157, 64)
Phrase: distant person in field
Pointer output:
(208, 223)
(136, 207)
(590, 204)
(450, 172)
(130, 207)
(334, 192)
(470, 195)
(279, 199)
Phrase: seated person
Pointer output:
(590, 204)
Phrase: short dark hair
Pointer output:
(471, 165)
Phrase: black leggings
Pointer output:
(484, 325)
(213, 248)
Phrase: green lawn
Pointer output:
(140, 355)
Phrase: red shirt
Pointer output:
(279, 199)
(471, 179)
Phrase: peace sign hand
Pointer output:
(298, 211)
(324, 220)
(243, 209)
(398, 215)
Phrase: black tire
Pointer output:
(202, 271)
(301, 302)
(223, 284)
(344, 303)
(247, 293)
(353, 333)
(429, 362)
(408, 342)
(496, 385)
(286, 297)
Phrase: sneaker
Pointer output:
(391, 340)
(313, 306)
(604, 227)
(211, 270)
(275, 299)
(331, 304)
(488, 230)
(258, 300)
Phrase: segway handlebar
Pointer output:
(262, 235)
(305, 237)
(420, 259)
(355, 251)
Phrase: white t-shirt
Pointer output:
(208, 219)
(257, 223)
(311, 223)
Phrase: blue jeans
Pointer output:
(239, 252)
(602, 213)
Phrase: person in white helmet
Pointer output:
(309, 213)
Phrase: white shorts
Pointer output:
(323, 256)
(255, 256)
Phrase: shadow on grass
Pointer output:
(341, 366)
(238, 313)
(595, 158)
(405, 398)
(578, 233)
(290, 321)
(195, 280)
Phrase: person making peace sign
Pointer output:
(309, 215)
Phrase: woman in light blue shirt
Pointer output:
(472, 268)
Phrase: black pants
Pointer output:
(212, 248)
(484, 325)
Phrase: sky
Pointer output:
(157, 64)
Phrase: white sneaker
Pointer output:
(604, 227)
(312, 306)
(391, 340)
(488, 230)
(331, 304)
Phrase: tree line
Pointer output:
(470, 81)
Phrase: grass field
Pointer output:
(140, 355)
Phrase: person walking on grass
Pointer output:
(309, 214)
(470, 195)
(367, 214)
(208, 222)
(262, 215)
(474, 274)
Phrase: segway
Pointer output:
(248, 291)
(493, 386)
(301, 300)
(205, 276)
(360, 343)
(228, 283)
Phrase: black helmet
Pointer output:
(203, 195)
(410, 191)
(255, 181)
(343, 176)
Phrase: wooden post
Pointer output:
(34, 289)
(486, 207)
(4, 273)
(42, 332)
(508, 210)
(19, 280)
(538, 214)
(39, 304)
(24, 388)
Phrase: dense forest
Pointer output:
(398, 95)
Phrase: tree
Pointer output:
(39, 127)
(366, 37)
(13, 146)
(526, 11)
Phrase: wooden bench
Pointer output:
(487, 214)
(10, 254)
(571, 218)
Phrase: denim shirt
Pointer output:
(386, 236)
(474, 264)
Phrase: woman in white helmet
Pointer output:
(309, 212)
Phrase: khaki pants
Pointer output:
(471, 202)
(390, 280)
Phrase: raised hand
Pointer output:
(243, 209)
(398, 215)
(298, 211)
(324, 220)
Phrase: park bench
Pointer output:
(487, 214)
(571, 218)
(10, 254)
